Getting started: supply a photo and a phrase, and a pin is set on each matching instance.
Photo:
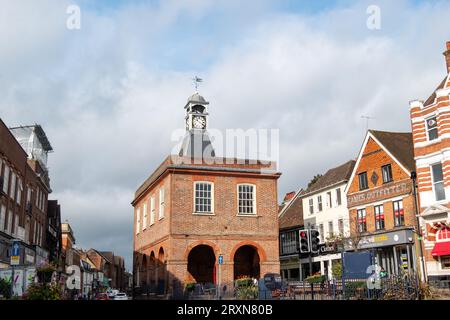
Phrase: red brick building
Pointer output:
(380, 200)
(196, 207)
(430, 121)
(24, 189)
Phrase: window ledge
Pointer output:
(203, 214)
(252, 215)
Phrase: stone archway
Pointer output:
(152, 272)
(201, 264)
(161, 272)
(246, 262)
(144, 272)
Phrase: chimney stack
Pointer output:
(447, 56)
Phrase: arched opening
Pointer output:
(443, 234)
(161, 271)
(246, 262)
(144, 273)
(152, 271)
(201, 264)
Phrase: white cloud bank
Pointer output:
(110, 94)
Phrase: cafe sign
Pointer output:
(380, 193)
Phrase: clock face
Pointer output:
(199, 122)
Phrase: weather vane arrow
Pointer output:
(197, 81)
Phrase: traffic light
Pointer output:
(304, 241)
(315, 241)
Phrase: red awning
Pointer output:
(441, 249)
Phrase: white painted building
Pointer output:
(325, 209)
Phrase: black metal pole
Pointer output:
(419, 231)
(310, 249)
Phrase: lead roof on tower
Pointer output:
(196, 97)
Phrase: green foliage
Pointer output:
(43, 291)
(317, 278)
(355, 289)
(189, 286)
(314, 180)
(246, 289)
(336, 269)
(5, 288)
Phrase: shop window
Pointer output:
(387, 173)
(288, 242)
(379, 217)
(399, 213)
(445, 262)
(443, 234)
(362, 225)
(432, 129)
(363, 184)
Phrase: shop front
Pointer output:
(394, 251)
(321, 262)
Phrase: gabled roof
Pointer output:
(333, 176)
(398, 145)
(292, 213)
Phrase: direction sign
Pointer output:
(220, 259)
(15, 253)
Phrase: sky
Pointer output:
(110, 94)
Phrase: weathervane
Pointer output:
(197, 81)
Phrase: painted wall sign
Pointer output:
(379, 193)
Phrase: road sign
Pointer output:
(15, 253)
(220, 259)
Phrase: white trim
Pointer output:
(255, 213)
(152, 210)
(212, 198)
(162, 204)
(355, 168)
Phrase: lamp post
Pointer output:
(419, 231)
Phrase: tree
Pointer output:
(314, 180)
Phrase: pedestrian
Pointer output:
(383, 273)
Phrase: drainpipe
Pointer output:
(419, 230)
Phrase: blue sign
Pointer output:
(15, 249)
(220, 259)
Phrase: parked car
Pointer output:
(121, 296)
(111, 293)
(102, 296)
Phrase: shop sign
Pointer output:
(380, 193)
(386, 239)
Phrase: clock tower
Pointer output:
(196, 142)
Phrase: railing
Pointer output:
(401, 287)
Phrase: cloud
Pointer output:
(110, 94)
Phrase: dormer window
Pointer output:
(432, 130)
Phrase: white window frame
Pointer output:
(319, 203)
(6, 175)
(254, 213)
(331, 232)
(144, 218)
(329, 200)
(12, 191)
(19, 191)
(428, 130)
(194, 209)
(311, 205)
(434, 182)
(138, 220)
(161, 203)
(152, 210)
(9, 225)
(338, 197)
(2, 217)
(438, 234)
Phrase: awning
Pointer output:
(441, 249)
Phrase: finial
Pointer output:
(197, 81)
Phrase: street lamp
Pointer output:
(419, 231)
